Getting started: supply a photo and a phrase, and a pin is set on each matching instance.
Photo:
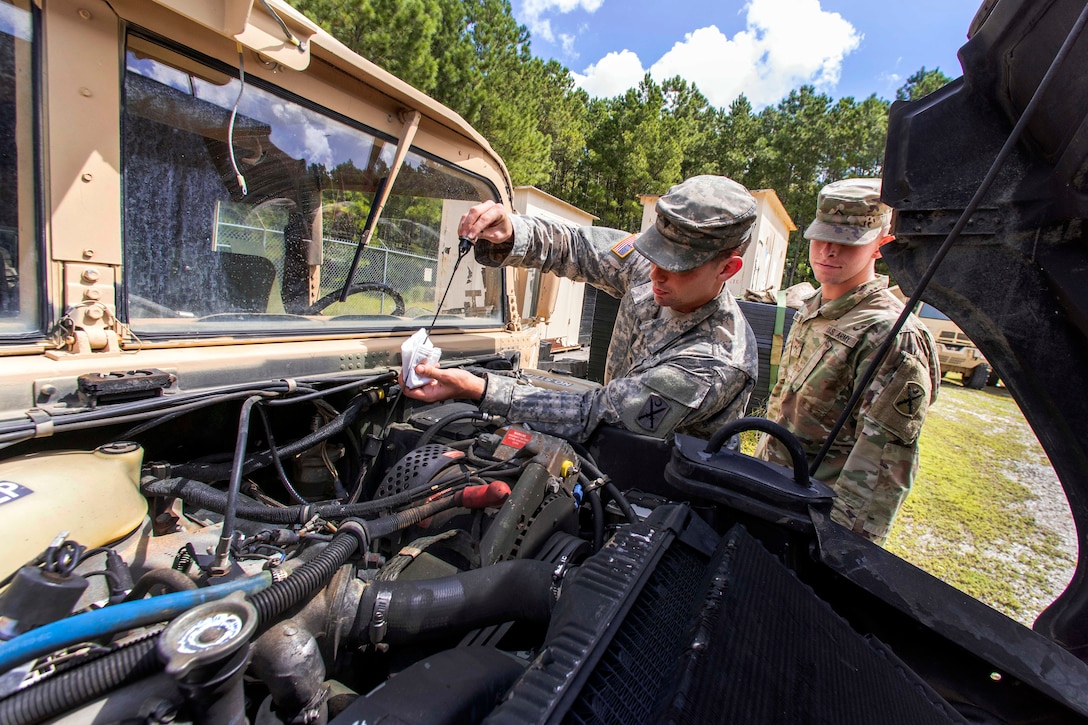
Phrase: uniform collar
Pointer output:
(839, 306)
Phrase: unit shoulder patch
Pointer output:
(900, 407)
(911, 399)
(653, 412)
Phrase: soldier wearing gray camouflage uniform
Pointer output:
(682, 356)
(834, 337)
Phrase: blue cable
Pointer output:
(119, 617)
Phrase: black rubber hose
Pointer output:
(212, 499)
(622, 502)
(305, 580)
(219, 471)
(519, 590)
(597, 508)
(172, 579)
(354, 534)
(277, 464)
(69, 690)
(437, 426)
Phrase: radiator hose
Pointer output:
(400, 611)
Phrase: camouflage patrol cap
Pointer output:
(697, 219)
(850, 212)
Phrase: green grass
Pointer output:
(968, 520)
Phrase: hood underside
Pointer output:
(1016, 278)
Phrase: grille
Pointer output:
(626, 684)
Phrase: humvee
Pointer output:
(219, 229)
(955, 350)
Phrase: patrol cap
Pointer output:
(698, 218)
(850, 212)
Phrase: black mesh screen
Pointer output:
(626, 683)
(778, 654)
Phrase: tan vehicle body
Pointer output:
(84, 256)
(78, 311)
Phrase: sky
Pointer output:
(761, 48)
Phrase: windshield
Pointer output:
(19, 296)
(930, 312)
(244, 210)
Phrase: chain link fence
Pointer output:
(409, 273)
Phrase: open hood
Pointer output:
(1014, 279)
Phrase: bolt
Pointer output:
(48, 390)
(85, 13)
(88, 253)
(85, 92)
(87, 177)
(94, 313)
(92, 294)
(90, 275)
(290, 631)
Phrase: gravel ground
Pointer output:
(1051, 511)
(1047, 504)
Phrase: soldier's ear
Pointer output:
(883, 240)
(730, 267)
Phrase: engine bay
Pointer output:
(348, 535)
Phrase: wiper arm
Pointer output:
(364, 237)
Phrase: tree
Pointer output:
(378, 31)
(922, 83)
(635, 147)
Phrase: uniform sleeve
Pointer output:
(654, 403)
(874, 482)
(600, 256)
(880, 468)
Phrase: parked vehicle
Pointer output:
(220, 227)
(956, 352)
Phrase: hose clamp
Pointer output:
(357, 528)
(558, 573)
(378, 619)
(43, 422)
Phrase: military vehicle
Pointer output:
(955, 350)
(220, 228)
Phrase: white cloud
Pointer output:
(786, 43)
(611, 75)
(566, 41)
(533, 10)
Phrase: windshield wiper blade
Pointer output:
(364, 236)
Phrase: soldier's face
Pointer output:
(690, 290)
(841, 267)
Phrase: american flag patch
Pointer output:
(623, 247)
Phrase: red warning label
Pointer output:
(516, 438)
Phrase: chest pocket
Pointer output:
(825, 378)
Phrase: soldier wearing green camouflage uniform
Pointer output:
(834, 338)
(679, 359)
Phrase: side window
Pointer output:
(19, 273)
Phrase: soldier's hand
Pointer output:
(447, 384)
(488, 221)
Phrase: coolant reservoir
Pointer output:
(93, 495)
